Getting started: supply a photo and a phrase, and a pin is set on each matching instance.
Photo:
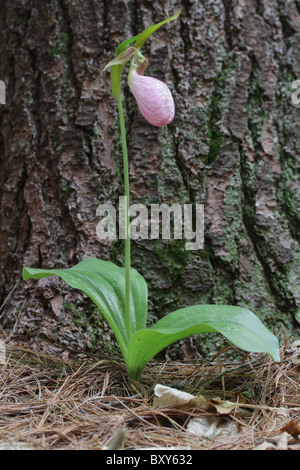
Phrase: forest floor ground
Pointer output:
(49, 403)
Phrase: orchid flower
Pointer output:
(158, 91)
(153, 97)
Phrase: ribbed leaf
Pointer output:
(240, 326)
(122, 47)
(104, 283)
(142, 37)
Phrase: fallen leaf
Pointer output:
(171, 397)
(282, 443)
(212, 426)
(292, 427)
(223, 407)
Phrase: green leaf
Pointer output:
(121, 59)
(122, 47)
(240, 326)
(104, 283)
(142, 37)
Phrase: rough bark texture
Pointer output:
(234, 145)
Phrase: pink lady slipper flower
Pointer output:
(153, 97)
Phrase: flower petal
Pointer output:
(153, 97)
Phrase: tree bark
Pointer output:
(233, 146)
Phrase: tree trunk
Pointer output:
(233, 146)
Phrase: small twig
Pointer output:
(255, 407)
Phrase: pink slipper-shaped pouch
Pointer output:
(153, 97)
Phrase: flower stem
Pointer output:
(127, 237)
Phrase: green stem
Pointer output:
(127, 238)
